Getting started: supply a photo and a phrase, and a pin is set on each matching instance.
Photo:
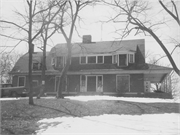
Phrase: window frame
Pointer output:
(53, 61)
(63, 63)
(97, 59)
(85, 59)
(125, 61)
(24, 81)
(91, 57)
(129, 81)
(114, 58)
(38, 65)
(129, 58)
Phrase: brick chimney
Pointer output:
(87, 39)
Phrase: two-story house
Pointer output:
(107, 67)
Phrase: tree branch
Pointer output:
(12, 23)
(169, 12)
(178, 21)
(13, 37)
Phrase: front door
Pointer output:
(122, 83)
(91, 83)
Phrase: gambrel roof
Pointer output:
(22, 64)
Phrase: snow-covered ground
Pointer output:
(113, 124)
(156, 124)
(133, 99)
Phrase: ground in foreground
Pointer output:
(90, 115)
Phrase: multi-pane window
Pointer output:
(122, 83)
(59, 62)
(21, 81)
(108, 59)
(99, 59)
(83, 60)
(122, 60)
(131, 58)
(91, 59)
(36, 66)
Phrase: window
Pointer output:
(83, 80)
(122, 60)
(108, 59)
(53, 61)
(99, 81)
(83, 60)
(91, 59)
(99, 59)
(35, 83)
(123, 83)
(21, 81)
(131, 58)
(99, 84)
(59, 62)
(36, 66)
(114, 59)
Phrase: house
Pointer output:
(106, 67)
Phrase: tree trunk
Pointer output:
(43, 82)
(31, 102)
(64, 73)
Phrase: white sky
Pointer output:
(92, 26)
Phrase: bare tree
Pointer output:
(67, 19)
(30, 20)
(47, 32)
(7, 62)
(136, 14)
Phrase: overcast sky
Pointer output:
(91, 25)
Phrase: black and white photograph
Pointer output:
(89, 67)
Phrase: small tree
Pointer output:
(7, 62)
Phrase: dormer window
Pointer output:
(58, 62)
(131, 58)
(122, 60)
(99, 59)
(115, 59)
(83, 60)
(36, 66)
(91, 59)
(108, 59)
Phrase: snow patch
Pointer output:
(148, 124)
(133, 99)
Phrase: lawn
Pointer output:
(90, 115)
